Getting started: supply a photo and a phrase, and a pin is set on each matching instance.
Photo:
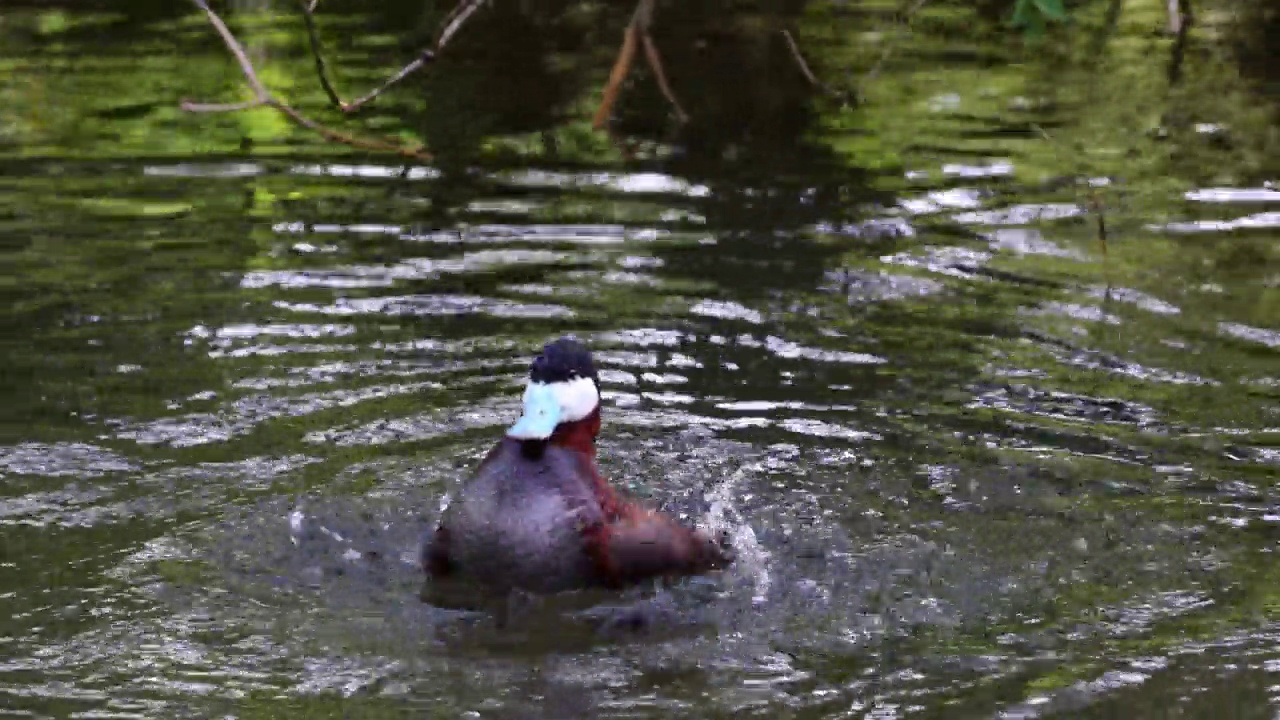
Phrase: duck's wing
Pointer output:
(648, 545)
(436, 549)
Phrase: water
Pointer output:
(974, 465)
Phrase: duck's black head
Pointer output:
(562, 361)
(563, 388)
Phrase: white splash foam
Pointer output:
(723, 516)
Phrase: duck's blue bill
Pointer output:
(541, 414)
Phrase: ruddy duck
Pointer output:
(537, 516)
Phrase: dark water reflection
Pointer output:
(972, 469)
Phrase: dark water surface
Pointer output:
(974, 467)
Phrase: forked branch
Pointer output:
(263, 97)
(637, 32)
(449, 27)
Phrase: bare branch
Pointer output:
(308, 18)
(264, 98)
(451, 25)
(453, 22)
(236, 49)
(376, 144)
(795, 52)
(404, 72)
(794, 47)
(621, 67)
(655, 62)
(637, 30)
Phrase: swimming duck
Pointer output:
(537, 516)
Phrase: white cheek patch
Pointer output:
(578, 398)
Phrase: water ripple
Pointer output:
(200, 170)
(1069, 354)
(959, 262)
(997, 168)
(1029, 400)
(568, 234)
(1087, 313)
(1020, 214)
(791, 350)
(381, 172)
(62, 460)
(226, 335)
(373, 276)
(619, 182)
(246, 413)
(1270, 338)
(879, 286)
(1029, 241)
(727, 311)
(1233, 195)
(938, 200)
(1135, 297)
(429, 305)
(1258, 221)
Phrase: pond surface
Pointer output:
(977, 462)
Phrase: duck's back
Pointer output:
(518, 522)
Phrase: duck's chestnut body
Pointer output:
(537, 516)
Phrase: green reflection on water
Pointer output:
(1069, 459)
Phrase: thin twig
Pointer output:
(1096, 202)
(655, 62)
(643, 20)
(795, 52)
(450, 26)
(637, 31)
(1098, 206)
(363, 143)
(888, 51)
(453, 22)
(426, 57)
(264, 98)
(794, 47)
(308, 19)
(234, 46)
